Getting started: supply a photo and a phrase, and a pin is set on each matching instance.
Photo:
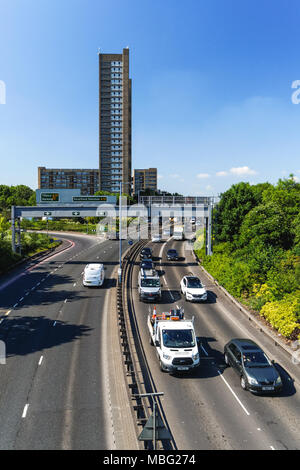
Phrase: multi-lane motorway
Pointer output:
(53, 388)
(209, 410)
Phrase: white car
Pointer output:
(192, 288)
(156, 238)
(93, 275)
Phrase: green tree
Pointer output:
(266, 224)
(234, 204)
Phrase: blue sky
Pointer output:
(211, 87)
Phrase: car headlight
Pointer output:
(278, 381)
(195, 356)
(252, 381)
(166, 356)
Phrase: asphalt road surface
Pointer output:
(208, 409)
(52, 388)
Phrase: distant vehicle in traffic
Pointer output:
(192, 288)
(93, 275)
(178, 233)
(172, 255)
(112, 235)
(156, 238)
(257, 373)
(146, 253)
(149, 286)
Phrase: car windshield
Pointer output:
(193, 282)
(255, 359)
(150, 282)
(178, 338)
(147, 265)
(172, 252)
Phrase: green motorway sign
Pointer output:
(89, 198)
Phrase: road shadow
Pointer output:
(180, 264)
(288, 387)
(169, 296)
(27, 335)
(211, 297)
(211, 360)
(37, 289)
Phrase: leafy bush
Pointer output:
(284, 315)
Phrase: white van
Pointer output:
(178, 233)
(93, 275)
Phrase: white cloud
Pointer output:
(203, 175)
(242, 170)
(221, 173)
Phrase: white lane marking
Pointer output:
(38, 284)
(272, 448)
(234, 394)
(41, 360)
(8, 312)
(25, 410)
(205, 352)
(74, 285)
(20, 300)
(66, 300)
(1, 320)
(54, 323)
(32, 288)
(15, 305)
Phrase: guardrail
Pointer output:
(138, 374)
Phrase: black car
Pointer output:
(147, 264)
(257, 373)
(146, 253)
(172, 255)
